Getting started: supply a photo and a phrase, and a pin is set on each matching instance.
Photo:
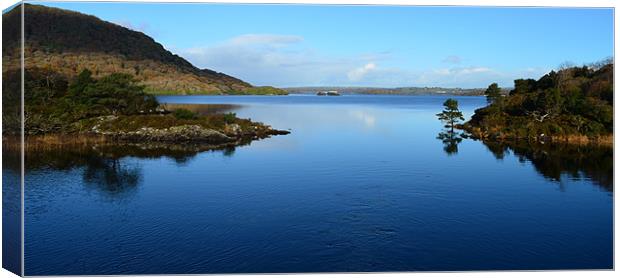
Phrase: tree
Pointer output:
(451, 114)
(42, 85)
(571, 101)
(118, 93)
(524, 86)
(493, 92)
(81, 81)
(565, 73)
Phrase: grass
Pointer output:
(50, 141)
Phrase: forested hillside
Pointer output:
(574, 103)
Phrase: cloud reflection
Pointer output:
(367, 118)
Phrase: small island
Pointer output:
(113, 108)
(328, 93)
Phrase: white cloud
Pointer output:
(359, 73)
(462, 71)
(287, 61)
(465, 77)
(279, 60)
(475, 76)
(474, 70)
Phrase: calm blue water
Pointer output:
(360, 184)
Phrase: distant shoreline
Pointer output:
(311, 93)
(345, 93)
(391, 91)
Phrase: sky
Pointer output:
(370, 46)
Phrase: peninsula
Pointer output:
(86, 79)
(571, 105)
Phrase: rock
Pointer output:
(278, 132)
(184, 133)
(233, 130)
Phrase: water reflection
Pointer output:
(228, 151)
(281, 201)
(11, 213)
(111, 176)
(106, 167)
(553, 161)
(366, 117)
(451, 140)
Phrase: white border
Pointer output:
(506, 3)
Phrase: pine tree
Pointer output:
(451, 114)
(493, 92)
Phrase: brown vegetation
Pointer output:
(68, 42)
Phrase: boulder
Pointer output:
(184, 133)
(233, 130)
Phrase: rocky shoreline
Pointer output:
(230, 136)
(477, 133)
(191, 133)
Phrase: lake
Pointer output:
(361, 184)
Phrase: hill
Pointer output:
(68, 42)
(573, 104)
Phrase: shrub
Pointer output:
(230, 117)
(184, 114)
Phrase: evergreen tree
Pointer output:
(493, 92)
(81, 81)
(451, 115)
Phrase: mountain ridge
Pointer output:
(69, 42)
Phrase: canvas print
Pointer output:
(204, 138)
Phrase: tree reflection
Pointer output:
(108, 168)
(110, 175)
(553, 161)
(229, 151)
(498, 150)
(451, 140)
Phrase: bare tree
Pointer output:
(600, 64)
(564, 73)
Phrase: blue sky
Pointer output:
(383, 46)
